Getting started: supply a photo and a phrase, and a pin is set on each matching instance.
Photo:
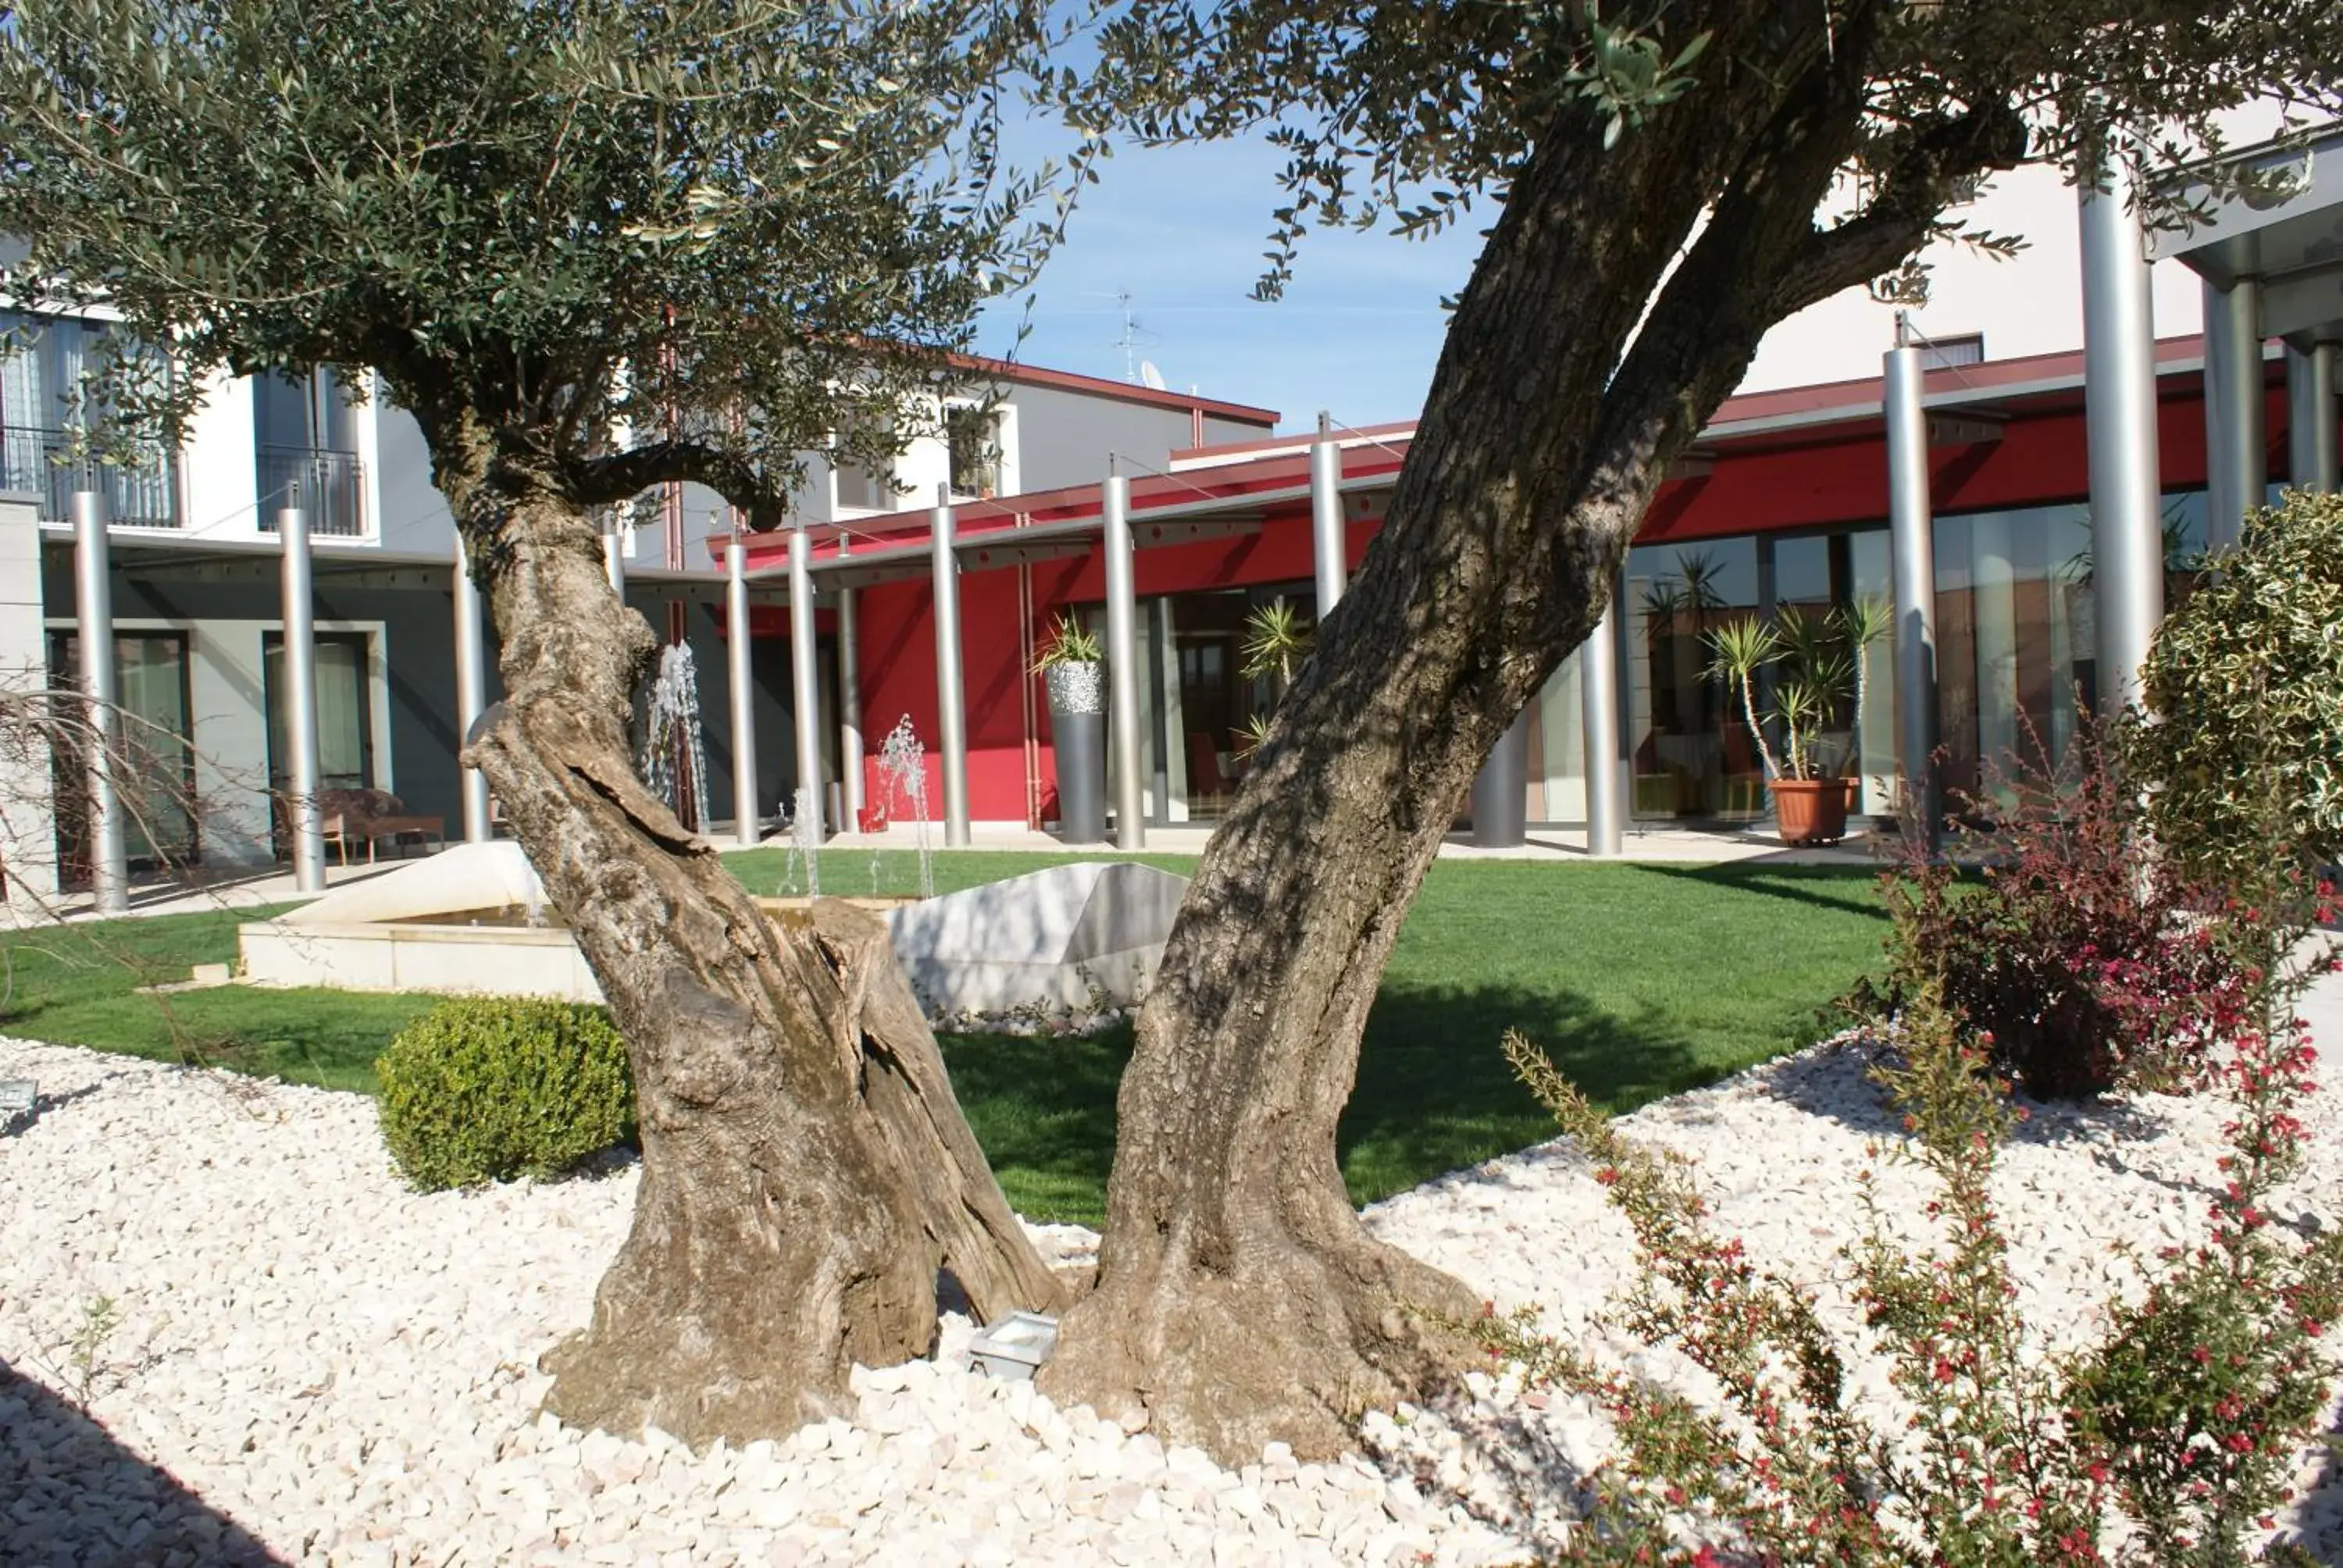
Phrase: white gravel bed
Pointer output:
(311, 1364)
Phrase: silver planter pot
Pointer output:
(1078, 732)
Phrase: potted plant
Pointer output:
(1276, 642)
(1818, 664)
(1073, 671)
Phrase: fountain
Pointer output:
(805, 830)
(675, 761)
(902, 763)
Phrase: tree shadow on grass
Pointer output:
(1042, 1108)
(1435, 1093)
(1842, 890)
(93, 1503)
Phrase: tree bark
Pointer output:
(1240, 1299)
(806, 1169)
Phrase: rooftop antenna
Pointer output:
(1132, 331)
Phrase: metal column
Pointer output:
(1912, 546)
(2311, 411)
(109, 863)
(614, 555)
(1326, 541)
(2119, 402)
(1501, 790)
(2237, 451)
(471, 693)
(1598, 705)
(304, 818)
(849, 704)
(805, 682)
(951, 711)
(1123, 665)
(739, 652)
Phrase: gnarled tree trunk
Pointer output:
(806, 1169)
(1238, 1299)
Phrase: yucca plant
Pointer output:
(1276, 642)
(1068, 642)
(1741, 649)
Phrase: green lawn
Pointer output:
(1639, 979)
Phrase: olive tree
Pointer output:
(594, 248)
(1670, 178)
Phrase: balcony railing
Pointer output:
(42, 462)
(331, 486)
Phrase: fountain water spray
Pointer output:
(902, 763)
(806, 839)
(675, 762)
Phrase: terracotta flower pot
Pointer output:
(1811, 811)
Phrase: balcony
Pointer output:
(42, 462)
(331, 486)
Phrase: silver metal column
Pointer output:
(1912, 546)
(1598, 707)
(739, 650)
(849, 704)
(304, 817)
(1501, 790)
(2119, 401)
(952, 700)
(472, 692)
(1123, 665)
(1326, 541)
(2236, 460)
(109, 862)
(805, 678)
(614, 555)
(2311, 413)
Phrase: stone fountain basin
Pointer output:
(459, 923)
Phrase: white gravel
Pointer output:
(309, 1363)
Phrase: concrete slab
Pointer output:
(1064, 942)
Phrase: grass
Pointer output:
(1641, 980)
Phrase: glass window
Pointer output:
(973, 438)
(1687, 755)
(345, 715)
(49, 395)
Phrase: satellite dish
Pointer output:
(1150, 375)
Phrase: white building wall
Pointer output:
(2030, 304)
(219, 484)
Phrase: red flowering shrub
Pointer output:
(2090, 963)
(2169, 1444)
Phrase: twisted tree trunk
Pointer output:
(806, 1170)
(1238, 1299)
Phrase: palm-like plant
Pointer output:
(1742, 647)
(1276, 642)
(1068, 642)
(1864, 622)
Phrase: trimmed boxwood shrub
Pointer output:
(486, 1089)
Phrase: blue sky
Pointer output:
(1182, 230)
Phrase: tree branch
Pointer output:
(600, 481)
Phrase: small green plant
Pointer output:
(1068, 642)
(1276, 642)
(85, 1351)
(486, 1089)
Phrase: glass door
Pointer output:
(157, 786)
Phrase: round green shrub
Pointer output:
(486, 1089)
(2245, 693)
